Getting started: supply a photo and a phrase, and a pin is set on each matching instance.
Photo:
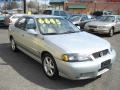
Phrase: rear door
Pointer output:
(18, 32)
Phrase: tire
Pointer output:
(99, 76)
(13, 45)
(111, 32)
(49, 66)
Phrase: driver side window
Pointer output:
(31, 24)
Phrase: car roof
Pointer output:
(42, 16)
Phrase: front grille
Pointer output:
(100, 53)
(92, 26)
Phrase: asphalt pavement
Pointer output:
(20, 72)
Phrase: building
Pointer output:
(57, 4)
(88, 6)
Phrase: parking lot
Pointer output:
(20, 72)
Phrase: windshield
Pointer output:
(53, 26)
(107, 19)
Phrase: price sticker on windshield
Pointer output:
(49, 21)
(58, 21)
(52, 21)
(41, 21)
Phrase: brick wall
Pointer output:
(94, 6)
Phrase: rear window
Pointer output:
(48, 12)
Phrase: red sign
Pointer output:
(115, 0)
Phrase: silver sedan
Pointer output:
(106, 25)
(61, 47)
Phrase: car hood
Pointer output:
(82, 43)
(100, 23)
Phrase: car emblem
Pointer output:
(101, 54)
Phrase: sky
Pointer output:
(40, 1)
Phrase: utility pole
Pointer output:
(24, 5)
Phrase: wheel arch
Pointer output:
(113, 28)
(45, 52)
(10, 37)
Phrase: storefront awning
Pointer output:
(77, 6)
(56, 1)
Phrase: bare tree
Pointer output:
(31, 4)
(14, 4)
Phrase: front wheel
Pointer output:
(13, 45)
(49, 66)
(111, 32)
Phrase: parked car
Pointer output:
(61, 47)
(108, 24)
(11, 19)
(56, 13)
(2, 17)
(80, 20)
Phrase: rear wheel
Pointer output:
(13, 45)
(49, 66)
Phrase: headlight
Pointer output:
(75, 58)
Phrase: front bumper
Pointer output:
(84, 70)
(97, 30)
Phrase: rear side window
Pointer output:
(21, 23)
(48, 12)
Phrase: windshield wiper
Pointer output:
(51, 33)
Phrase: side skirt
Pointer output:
(30, 54)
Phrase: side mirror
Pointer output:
(32, 31)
